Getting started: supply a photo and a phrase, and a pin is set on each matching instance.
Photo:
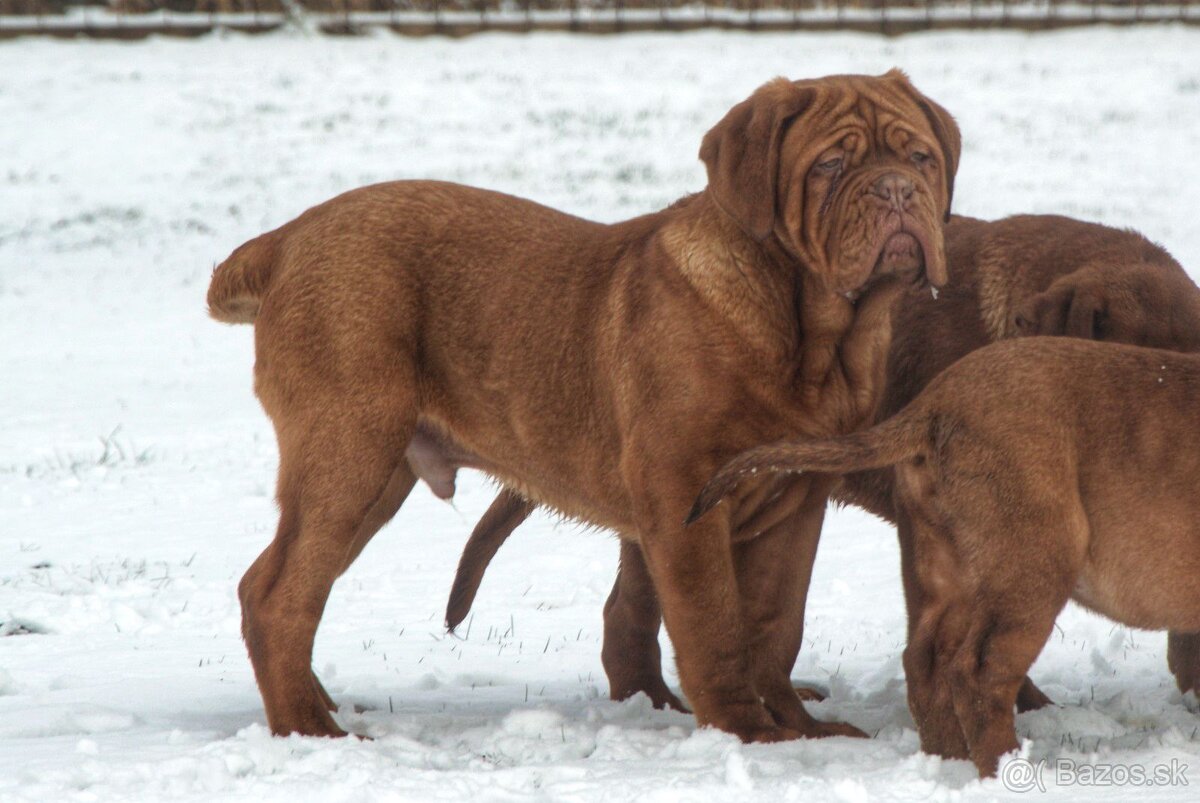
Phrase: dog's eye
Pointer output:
(920, 157)
(830, 166)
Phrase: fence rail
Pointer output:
(131, 19)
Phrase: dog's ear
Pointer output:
(1067, 311)
(949, 137)
(944, 129)
(1084, 317)
(741, 154)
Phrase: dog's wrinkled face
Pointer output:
(852, 174)
(1144, 304)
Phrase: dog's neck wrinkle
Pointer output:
(747, 283)
(825, 318)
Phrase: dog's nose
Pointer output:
(894, 188)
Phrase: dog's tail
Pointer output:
(507, 511)
(899, 438)
(239, 282)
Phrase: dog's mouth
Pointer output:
(900, 253)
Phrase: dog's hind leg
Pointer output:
(631, 656)
(1183, 659)
(937, 611)
(389, 502)
(1012, 615)
(341, 478)
(1030, 697)
(1001, 645)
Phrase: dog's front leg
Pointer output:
(693, 575)
(631, 655)
(774, 567)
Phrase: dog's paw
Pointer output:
(769, 734)
(826, 729)
(809, 694)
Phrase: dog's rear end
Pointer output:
(1064, 469)
(1081, 459)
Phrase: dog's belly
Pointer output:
(587, 491)
(1145, 571)
(1148, 611)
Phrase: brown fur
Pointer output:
(601, 370)
(1029, 274)
(1032, 275)
(1031, 472)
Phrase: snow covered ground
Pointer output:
(136, 468)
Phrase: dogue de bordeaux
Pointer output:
(1030, 472)
(602, 370)
(1022, 275)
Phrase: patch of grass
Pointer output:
(20, 627)
(114, 452)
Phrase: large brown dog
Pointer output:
(1030, 472)
(602, 370)
(1023, 275)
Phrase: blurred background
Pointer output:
(135, 18)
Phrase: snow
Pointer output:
(136, 468)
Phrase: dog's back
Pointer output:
(1031, 274)
(1039, 424)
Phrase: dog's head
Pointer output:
(1141, 303)
(852, 174)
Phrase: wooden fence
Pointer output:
(130, 19)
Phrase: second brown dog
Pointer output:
(1030, 472)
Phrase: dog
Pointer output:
(1043, 275)
(1031, 472)
(1019, 276)
(603, 371)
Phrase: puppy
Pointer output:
(1032, 472)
